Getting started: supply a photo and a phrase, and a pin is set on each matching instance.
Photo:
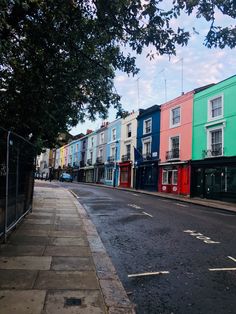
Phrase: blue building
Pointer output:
(113, 153)
(147, 152)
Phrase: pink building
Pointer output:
(176, 145)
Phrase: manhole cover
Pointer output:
(72, 302)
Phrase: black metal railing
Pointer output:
(172, 154)
(147, 156)
(89, 162)
(17, 166)
(82, 163)
(111, 158)
(99, 160)
(125, 157)
(217, 150)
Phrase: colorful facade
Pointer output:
(176, 145)
(128, 143)
(214, 149)
(113, 153)
(90, 157)
(147, 153)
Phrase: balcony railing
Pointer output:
(172, 154)
(217, 150)
(111, 158)
(99, 160)
(81, 163)
(89, 162)
(147, 156)
(125, 157)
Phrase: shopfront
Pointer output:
(214, 179)
(125, 174)
(147, 176)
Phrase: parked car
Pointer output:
(65, 177)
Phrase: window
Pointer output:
(147, 126)
(215, 108)
(92, 141)
(113, 134)
(174, 177)
(77, 147)
(84, 142)
(113, 151)
(147, 148)
(128, 147)
(91, 156)
(129, 133)
(174, 148)
(175, 117)
(102, 138)
(100, 152)
(109, 173)
(216, 148)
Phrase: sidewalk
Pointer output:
(194, 200)
(55, 262)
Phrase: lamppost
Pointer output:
(114, 168)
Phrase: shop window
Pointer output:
(109, 172)
(174, 177)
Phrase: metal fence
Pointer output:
(17, 162)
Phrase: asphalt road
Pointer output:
(193, 246)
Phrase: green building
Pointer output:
(214, 142)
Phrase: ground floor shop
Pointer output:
(99, 173)
(111, 174)
(89, 174)
(81, 175)
(175, 178)
(125, 174)
(214, 178)
(146, 176)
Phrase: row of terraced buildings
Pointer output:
(185, 146)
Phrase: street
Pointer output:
(172, 257)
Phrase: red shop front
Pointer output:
(174, 179)
(125, 174)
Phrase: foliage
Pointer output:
(58, 58)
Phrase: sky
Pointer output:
(163, 78)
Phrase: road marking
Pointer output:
(148, 274)
(233, 259)
(183, 205)
(135, 194)
(134, 206)
(222, 269)
(148, 214)
(200, 236)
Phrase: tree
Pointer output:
(58, 58)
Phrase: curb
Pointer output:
(114, 295)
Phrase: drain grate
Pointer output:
(72, 302)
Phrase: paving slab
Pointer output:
(66, 280)
(26, 226)
(72, 263)
(67, 251)
(74, 302)
(17, 279)
(21, 250)
(79, 241)
(22, 302)
(41, 221)
(24, 240)
(26, 262)
(70, 234)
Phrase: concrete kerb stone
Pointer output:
(115, 296)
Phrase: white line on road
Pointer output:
(233, 259)
(222, 269)
(183, 205)
(149, 274)
(134, 206)
(148, 214)
(135, 194)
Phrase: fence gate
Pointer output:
(17, 163)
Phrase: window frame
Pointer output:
(209, 139)
(171, 117)
(113, 132)
(127, 130)
(210, 100)
(144, 125)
